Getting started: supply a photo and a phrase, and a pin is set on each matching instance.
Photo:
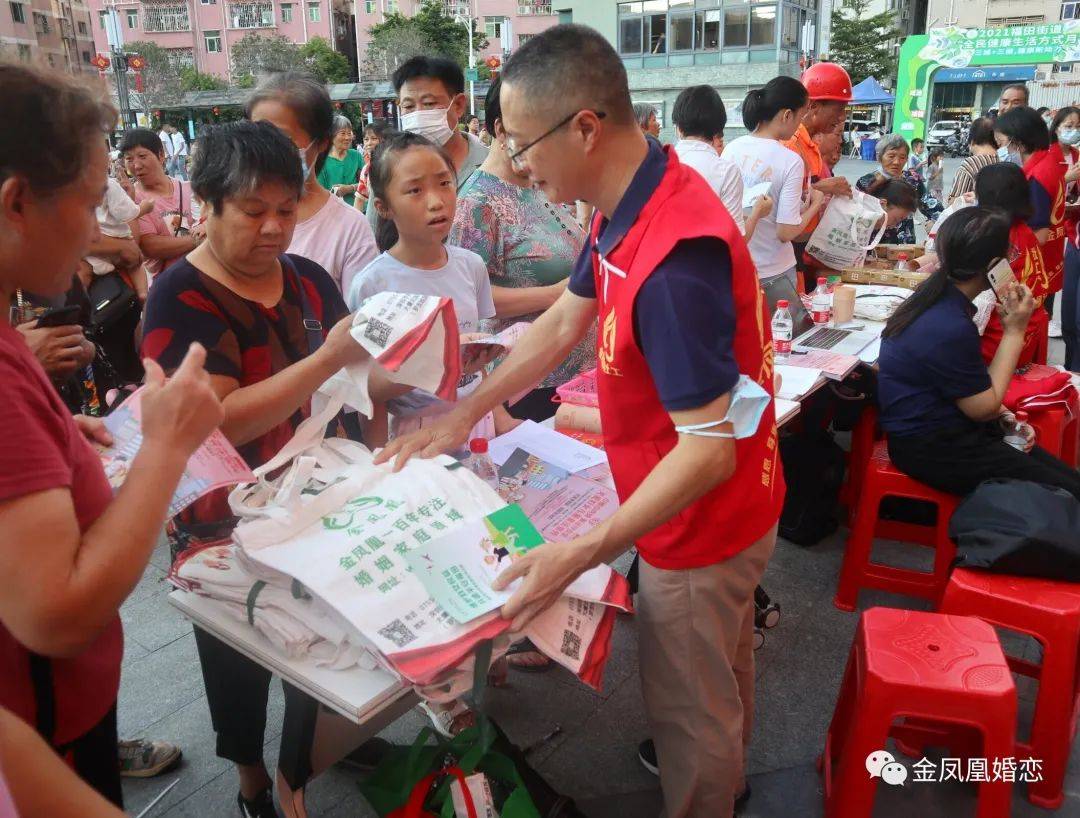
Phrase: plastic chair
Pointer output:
(1048, 611)
(881, 479)
(940, 669)
(1057, 432)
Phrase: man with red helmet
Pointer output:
(829, 87)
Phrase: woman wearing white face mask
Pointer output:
(328, 231)
(1065, 130)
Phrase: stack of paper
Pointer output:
(785, 410)
(796, 381)
(548, 445)
(832, 365)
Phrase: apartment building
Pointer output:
(201, 33)
(57, 33)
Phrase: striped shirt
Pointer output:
(964, 182)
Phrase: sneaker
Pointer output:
(646, 753)
(368, 755)
(261, 806)
(1054, 330)
(140, 758)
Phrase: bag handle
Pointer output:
(859, 196)
(414, 807)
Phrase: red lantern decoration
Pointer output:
(136, 63)
(493, 62)
(100, 62)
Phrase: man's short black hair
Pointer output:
(446, 71)
(142, 138)
(237, 157)
(982, 132)
(699, 111)
(1017, 86)
(572, 66)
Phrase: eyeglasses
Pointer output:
(516, 153)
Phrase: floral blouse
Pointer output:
(526, 241)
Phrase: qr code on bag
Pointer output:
(571, 645)
(378, 331)
(397, 632)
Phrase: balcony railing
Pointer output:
(164, 17)
(251, 15)
(534, 8)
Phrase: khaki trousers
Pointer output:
(696, 657)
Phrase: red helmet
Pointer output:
(827, 81)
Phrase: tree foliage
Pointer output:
(160, 77)
(862, 42)
(429, 31)
(324, 62)
(255, 55)
(192, 80)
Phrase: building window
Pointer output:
(83, 30)
(763, 25)
(314, 12)
(180, 58)
(18, 14)
(24, 49)
(534, 7)
(208, 2)
(86, 57)
(251, 15)
(1069, 10)
(41, 25)
(212, 40)
(524, 38)
(707, 30)
(103, 17)
(736, 27)
(997, 22)
(654, 26)
(493, 27)
(369, 7)
(286, 12)
(133, 19)
(162, 17)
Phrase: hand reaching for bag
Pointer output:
(179, 413)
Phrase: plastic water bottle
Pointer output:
(480, 463)
(781, 331)
(902, 263)
(1021, 434)
(821, 303)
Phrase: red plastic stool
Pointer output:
(882, 480)
(862, 447)
(943, 669)
(1056, 429)
(1049, 611)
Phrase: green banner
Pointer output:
(922, 54)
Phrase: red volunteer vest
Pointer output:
(637, 430)
(1048, 169)
(1026, 261)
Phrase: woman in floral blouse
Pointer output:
(530, 246)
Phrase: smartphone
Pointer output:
(1001, 276)
(60, 317)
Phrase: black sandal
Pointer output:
(526, 646)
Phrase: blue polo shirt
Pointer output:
(933, 363)
(684, 313)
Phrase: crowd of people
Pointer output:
(231, 270)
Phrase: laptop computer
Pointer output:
(805, 333)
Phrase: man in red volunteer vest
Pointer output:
(685, 379)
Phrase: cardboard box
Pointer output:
(891, 278)
(892, 251)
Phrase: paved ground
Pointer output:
(594, 757)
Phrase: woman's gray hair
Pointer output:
(890, 142)
(642, 112)
(340, 124)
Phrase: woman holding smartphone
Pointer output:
(940, 403)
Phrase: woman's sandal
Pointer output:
(451, 721)
(523, 649)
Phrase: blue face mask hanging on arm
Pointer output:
(748, 402)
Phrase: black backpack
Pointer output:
(814, 471)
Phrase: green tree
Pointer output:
(192, 80)
(429, 31)
(255, 55)
(324, 62)
(160, 78)
(863, 43)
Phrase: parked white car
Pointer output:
(942, 130)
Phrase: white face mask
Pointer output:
(1069, 136)
(305, 168)
(431, 122)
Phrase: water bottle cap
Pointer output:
(782, 304)
(478, 445)
(901, 256)
(822, 280)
